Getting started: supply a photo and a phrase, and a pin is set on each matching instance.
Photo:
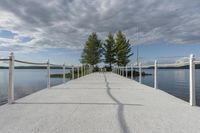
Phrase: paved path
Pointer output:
(100, 103)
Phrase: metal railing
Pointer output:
(123, 71)
(78, 70)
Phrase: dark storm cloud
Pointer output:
(63, 23)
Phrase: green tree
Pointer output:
(109, 49)
(92, 50)
(123, 49)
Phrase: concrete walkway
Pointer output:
(100, 103)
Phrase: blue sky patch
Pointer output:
(7, 34)
(25, 39)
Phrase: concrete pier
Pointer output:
(100, 103)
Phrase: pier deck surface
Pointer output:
(100, 103)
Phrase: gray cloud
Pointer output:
(63, 23)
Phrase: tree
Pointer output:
(109, 49)
(92, 51)
(123, 49)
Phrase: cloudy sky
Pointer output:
(57, 29)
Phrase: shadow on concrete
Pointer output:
(120, 110)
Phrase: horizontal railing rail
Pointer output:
(4, 59)
(31, 63)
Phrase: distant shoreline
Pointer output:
(197, 66)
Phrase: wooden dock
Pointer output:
(100, 103)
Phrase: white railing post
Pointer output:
(117, 69)
(126, 72)
(92, 68)
(140, 73)
(89, 69)
(192, 81)
(84, 72)
(86, 69)
(63, 73)
(132, 71)
(122, 71)
(81, 70)
(72, 71)
(48, 75)
(78, 71)
(11, 79)
(155, 75)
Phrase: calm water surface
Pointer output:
(26, 81)
(174, 82)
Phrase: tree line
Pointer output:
(113, 51)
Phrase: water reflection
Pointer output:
(26, 81)
(173, 81)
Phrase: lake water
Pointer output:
(173, 81)
(26, 81)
